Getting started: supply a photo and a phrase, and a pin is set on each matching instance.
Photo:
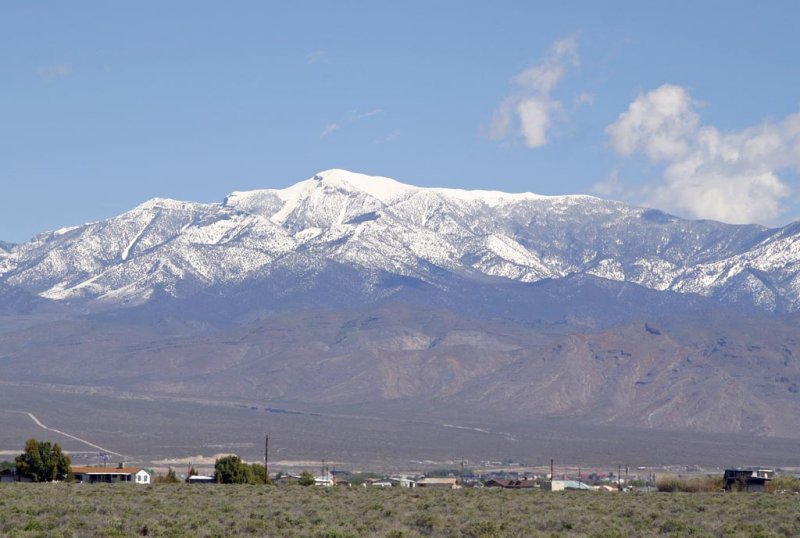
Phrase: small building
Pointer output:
(403, 482)
(749, 480)
(378, 483)
(10, 475)
(562, 485)
(524, 484)
(511, 483)
(287, 479)
(325, 481)
(201, 479)
(108, 475)
(440, 483)
(497, 483)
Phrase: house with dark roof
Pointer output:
(10, 475)
(511, 483)
(749, 480)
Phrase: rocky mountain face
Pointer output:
(369, 290)
(378, 227)
(710, 371)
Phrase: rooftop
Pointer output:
(105, 470)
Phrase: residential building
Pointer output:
(440, 483)
(91, 475)
(749, 480)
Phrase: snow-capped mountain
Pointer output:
(378, 226)
(373, 291)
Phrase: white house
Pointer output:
(561, 485)
(326, 481)
(439, 483)
(201, 479)
(379, 483)
(92, 475)
(403, 482)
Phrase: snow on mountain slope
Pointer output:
(768, 275)
(6, 258)
(378, 224)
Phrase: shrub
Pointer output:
(241, 510)
(169, 478)
(306, 479)
(694, 484)
(783, 482)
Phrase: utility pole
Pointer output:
(461, 476)
(266, 459)
(579, 478)
(552, 476)
(619, 477)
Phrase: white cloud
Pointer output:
(534, 118)
(659, 123)
(329, 129)
(529, 110)
(353, 117)
(608, 186)
(708, 173)
(502, 120)
(52, 72)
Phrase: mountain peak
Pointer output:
(382, 188)
(387, 189)
(165, 203)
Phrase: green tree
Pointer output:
(169, 478)
(257, 474)
(172, 478)
(306, 479)
(192, 472)
(232, 470)
(43, 462)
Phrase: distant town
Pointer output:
(43, 461)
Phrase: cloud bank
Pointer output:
(530, 110)
(708, 173)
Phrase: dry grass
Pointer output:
(784, 483)
(694, 484)
(219, 510)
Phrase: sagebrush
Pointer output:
(88, 510)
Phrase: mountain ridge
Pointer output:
(711, 371)
(379, 224)
(468, 303)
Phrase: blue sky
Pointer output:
(688, 106)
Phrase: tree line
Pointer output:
(43, 461)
